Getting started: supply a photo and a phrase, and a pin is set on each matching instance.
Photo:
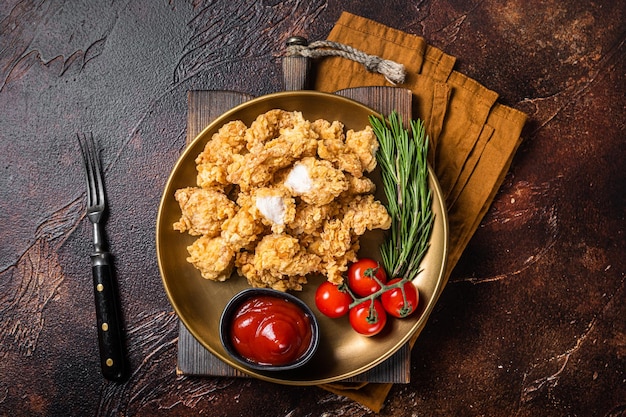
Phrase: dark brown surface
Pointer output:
(532, 321)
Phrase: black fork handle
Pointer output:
(108, 315)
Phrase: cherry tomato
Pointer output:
(395, 303)
(331, 300)
(361, 277)
(368, 318)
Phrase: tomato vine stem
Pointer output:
(383, 287)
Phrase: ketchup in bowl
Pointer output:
(269, 329)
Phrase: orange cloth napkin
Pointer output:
(472, 137)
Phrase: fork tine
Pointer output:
(98, 188)
(95, 184)
(98, 170)
(87, 165)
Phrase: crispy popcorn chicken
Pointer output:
(278, 262)
(243, 229)
(336, 247)
(329, 132)
(356, 186)
(291, 139)
(316, 181)
(275, 206)
(363, 144)
(203, 211)
(363, 212)
(353, 153)
(332, 147)
(336, 267)
(213, 257)
(218, 153)
(309, 218)
(267, 126)
(297, 201)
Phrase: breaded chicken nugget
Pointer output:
(212, 257)
(316, 182)
(364, 144)
(278, 262)
(267, 126)
(353, 153)
(275, 206)
(332, 133)
(256, 168)
(336, 247)
(203, 211)
(331, 147)
(363, 212)
(218, 153)
(309, 218)
(242, 231)
(356, 186)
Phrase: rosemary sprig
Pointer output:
(402, 159)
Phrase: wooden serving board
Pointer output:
(203, 108)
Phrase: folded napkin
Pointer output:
(472, 137)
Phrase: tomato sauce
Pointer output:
(270, 331)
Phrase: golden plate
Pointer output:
(199, 303)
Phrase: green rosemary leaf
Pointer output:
(402, 160)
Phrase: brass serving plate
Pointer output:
(199, 303)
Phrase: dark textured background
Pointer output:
(532, 322)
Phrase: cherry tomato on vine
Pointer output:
(368, 318)
(361, 277)
(395, 303)
(331, 300)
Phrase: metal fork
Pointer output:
(108, 315)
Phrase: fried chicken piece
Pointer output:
(316, 181)
(275, 206)
(335, 239)
(363, 212)
(327, 131)
(335, 268)
(338, 242)
(309, 218)
(267, 126)
(278, 262)
(364, 144)
(297, 139)
(331, 147)
(213, 257)
(243, 229)
(256, 168)
(249, 171)
(203, 211)
(211, 175)
(336, 247)
(353, 153)
(218, 153)
(357, 186)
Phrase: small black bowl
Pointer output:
(231, 309)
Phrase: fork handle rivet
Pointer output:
(100, 287)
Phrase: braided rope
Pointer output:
(393, 71)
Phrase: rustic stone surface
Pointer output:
(532, 320)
